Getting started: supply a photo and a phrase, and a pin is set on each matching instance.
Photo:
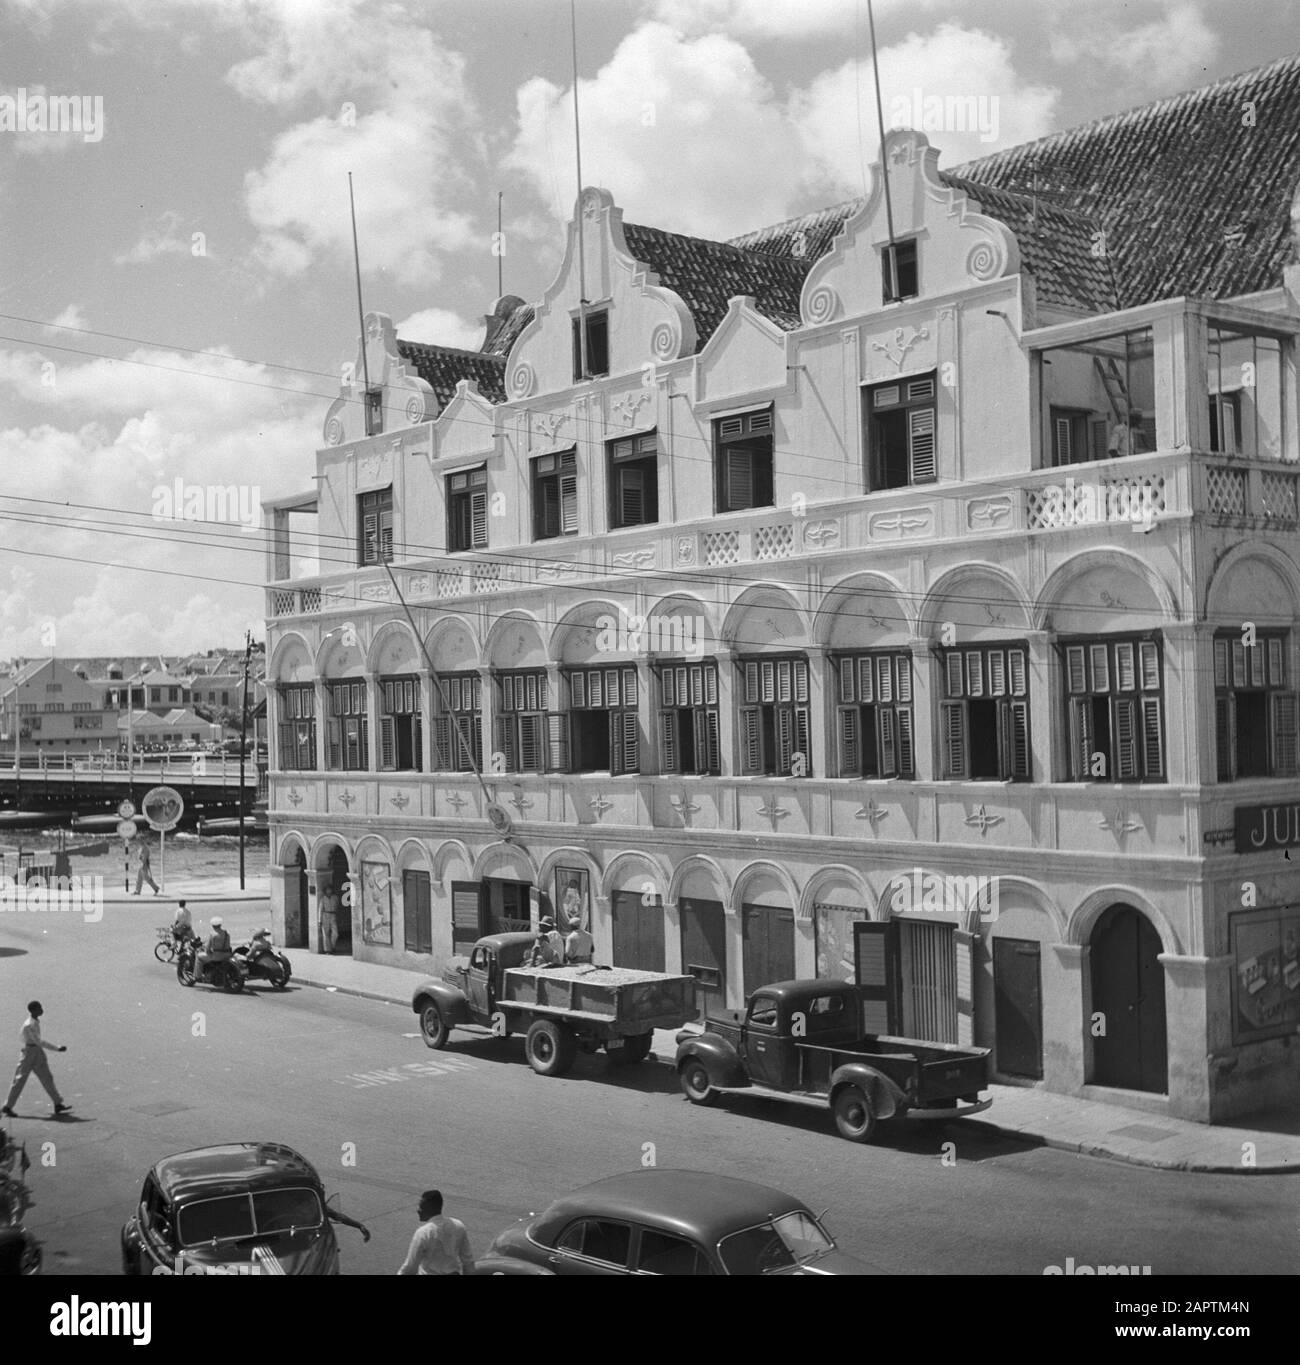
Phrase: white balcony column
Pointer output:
(556, 704)
(647, 715)
(273, 758)
(322, 723)
(374, 695)
(925, 677)
(730, 759)
(1188, 703)
(821, 718)
(1047, 746)
(430, 706)
(487, 716)
(672, 911)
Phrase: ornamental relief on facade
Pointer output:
(903, 523)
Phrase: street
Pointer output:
(153, 1068)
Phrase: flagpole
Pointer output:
(884, 165)
(577, 145)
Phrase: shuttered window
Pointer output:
(297, 728)
(597, 347)
(634, 480)
(773, 716)
(401, 736)
(347, 743)
(555, 495)
(743, 461)
(899, 272)
(984, 714)
(467, 510)
(688, 717)
(375, 527)
(900, 420)
(528, 737)
(458, 723)
(604, 733)
(874, 722)
(1114, 710)
(1254, 707)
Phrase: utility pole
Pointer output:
(243, 731)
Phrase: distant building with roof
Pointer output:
(46, 707)
(908, 592)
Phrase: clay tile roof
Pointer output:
(707, 274)
(1192, 202)
(800, 239)
(443, 367)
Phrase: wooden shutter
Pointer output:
(1016, 667)
(624, 745)
(1238, 664)
(874, 951)
(548, 490)
(369, 537)
(443, 758)
(1149, 665)
(568, 504)
(1061, 430)
(849, 749)
(903, 669)
(751, 752)
(531, 743)
(504, 741)
(1153, 749)
(1221, 663)
(557, 742)
(1099, 662)
(478, 538)
(387, 747)
(785, 742)
(1081, 739)
(801, 745)
(668, 759)
(410, 913)
(334, 743)
(1076, 669)
(631, 496)
(286, 746)
(1016, 722)
(740, 480)
(707, 757)
(1275, 678)
(1284, 734)
(1125, 739)
(888, 749)
(952, 674)
(920, 444)
(952, 717)
(1125, 668)
(1224, 747)
(906, 758)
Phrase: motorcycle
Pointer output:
(227, 974)
(266, 966)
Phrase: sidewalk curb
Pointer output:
(349, 990)
(190, 897)
(1129, 1158)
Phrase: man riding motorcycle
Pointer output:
(218, 948)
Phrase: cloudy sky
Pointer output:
(176, 297)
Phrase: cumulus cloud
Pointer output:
(684, 133)
(1167, 50)
(441, 327)
(163, 238)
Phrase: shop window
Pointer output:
(900, 424)
(773, 717)
(1115, 702)
(984, 717)
(1254, 708)
(688, 718)
(874, 716)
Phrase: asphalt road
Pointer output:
(153, 1068)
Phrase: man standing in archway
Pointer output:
(329, 918)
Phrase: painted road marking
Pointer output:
(409, 1071)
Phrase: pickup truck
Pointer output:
(801, 1040)
(559, 1010)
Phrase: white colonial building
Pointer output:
(781, 586)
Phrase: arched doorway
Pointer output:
(1128, 991)
(295, 899)
(335, 876)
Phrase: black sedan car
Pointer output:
(246, 1208)
(665, 1222)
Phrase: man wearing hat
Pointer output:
(548, 951)
(32, 1059)
(218, 947)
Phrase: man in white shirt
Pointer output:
(32, 1059)
(440, 1245)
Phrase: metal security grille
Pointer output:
(929, 962)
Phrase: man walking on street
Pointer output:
(143, 872)
(31, 1060)
(440, 1245)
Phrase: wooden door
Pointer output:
(768, 940)
(1128, 991)
(704, 951)
(638, 932)
(1018, 1007)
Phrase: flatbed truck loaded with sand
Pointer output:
(561, 1011)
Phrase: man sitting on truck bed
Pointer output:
(548, 951)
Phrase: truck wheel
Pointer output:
(636, 1048)
(854, 1117)
(550, 1048)
(694, 1077)
(433, 1027)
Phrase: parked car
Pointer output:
(667, 1222)
(561, 1010)
(802, 1040)
(245, 1208)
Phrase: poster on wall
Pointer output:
(1265, 973)
(572, 899)
(376, 904)
(835, 953)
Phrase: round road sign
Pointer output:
(126, 830)
(125, 809)
(163, 807)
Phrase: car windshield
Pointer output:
(776, 1245)
(232, 1216)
